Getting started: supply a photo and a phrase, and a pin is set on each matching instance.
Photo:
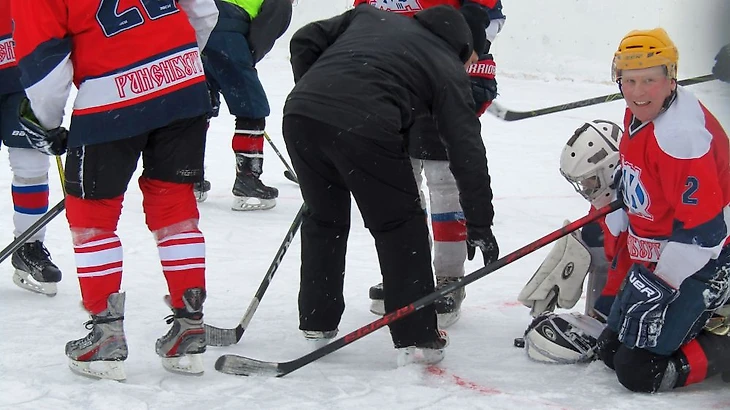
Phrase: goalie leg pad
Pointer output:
(562, 339)
(562, 272)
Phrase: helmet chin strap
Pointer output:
(669, 100)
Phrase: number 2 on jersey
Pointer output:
(113, 22)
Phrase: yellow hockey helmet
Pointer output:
(643, 49)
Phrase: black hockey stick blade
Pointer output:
(291, 177)
(245, 366)
(217, 336)
(501, 112)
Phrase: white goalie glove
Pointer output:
(559, 280)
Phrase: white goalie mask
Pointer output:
(589, 160)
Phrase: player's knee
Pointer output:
(29, 163)
(89, 218)
(641, 371)
(608, 344)
(167, 204)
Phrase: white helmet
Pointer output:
(589, 160)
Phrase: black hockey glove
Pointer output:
(643, 304)
(721, 70)
(483, 83)
(485, 241)
(49, 142)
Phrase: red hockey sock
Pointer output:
(183, 262)
(99, 268)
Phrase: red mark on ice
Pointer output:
(461, 382)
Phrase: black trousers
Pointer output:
(331, 164)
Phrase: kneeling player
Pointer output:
(588, 162)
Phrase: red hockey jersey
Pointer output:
(9, 74)
(676, 186)
(411, 7)
(136, 64)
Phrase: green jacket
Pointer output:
(252, 7)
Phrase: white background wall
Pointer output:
(575, 39)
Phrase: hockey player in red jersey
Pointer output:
(141, 90)
(34, 270)
(675, 183)
(429, 158)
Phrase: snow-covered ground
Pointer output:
(481, 370)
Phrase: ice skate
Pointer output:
(250, 194)
(200, 190)
(318, 339)
(427, 353)
(182, 348)
(448, 308)
(102, 352)
(719, 323)
(377, 303)
(34, 270)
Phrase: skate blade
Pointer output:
(25, 281)
(244, 203)
(377, 307)
(190, 364)
(447, 319)
(718, 325)
(414, 355)
(109, 370)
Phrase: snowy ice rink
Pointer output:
(545, 57)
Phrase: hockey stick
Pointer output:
(225, 337)
(61, 174)
(37, 226)
(501, 112)
(244, 366)
(289, 173)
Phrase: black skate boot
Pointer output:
(250, 193)
(448, 308)
(34, 270)
(200, 189)
(377, 297)
(182, 348)
(105, 346)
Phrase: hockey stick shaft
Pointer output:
(293, 175)
(37, 226)
(239, 365)
(501, 112)
(61, 174)
(226, 337)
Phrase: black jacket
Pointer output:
(366, 70)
